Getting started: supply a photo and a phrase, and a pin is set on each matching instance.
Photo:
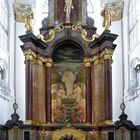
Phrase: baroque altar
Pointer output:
(68, 77)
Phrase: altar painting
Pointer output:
(68, 85)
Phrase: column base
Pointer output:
(28, 122)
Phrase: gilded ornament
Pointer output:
(40, 60)
(28, 23)
(69, 131)
(78, 27)
(84, 36)
(58, 28)
(105, 13)
(51, 37)
(29, 55)
(107, 54)
(97, 59)
(48, 62)
(87, 62)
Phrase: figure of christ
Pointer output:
(67, 9)
(68, 78)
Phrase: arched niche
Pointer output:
(68, 84)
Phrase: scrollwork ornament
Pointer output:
(51, 37)
(58, 28)
(84, 36)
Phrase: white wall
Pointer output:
(120, 68)
(117, 70)
(6, 104)
(132, 107)
(20, 72)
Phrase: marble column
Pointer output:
(107, 56)
(48, 64)
(88, 90)
(29, 56)
(39, 115)
(97, 90)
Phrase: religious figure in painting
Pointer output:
(67, 9)
(68, 78)
(107, 18)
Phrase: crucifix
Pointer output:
(68, 7)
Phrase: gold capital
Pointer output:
(97, 59)
(40, 60)
(48, 62)
(107, 54)
(29, 55)
(87, 62)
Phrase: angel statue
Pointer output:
(28, 23)
(105, 13)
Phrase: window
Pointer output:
(4, 88)
(90, 9)
(3, 24)
(134, 44)
(1, 73)
(4, 28)
(134, 25)
(45, 9)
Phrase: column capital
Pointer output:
(107, 54)
(87, 62)
(29, 55)
(48, 62)
(97, 59)
(40, 60)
